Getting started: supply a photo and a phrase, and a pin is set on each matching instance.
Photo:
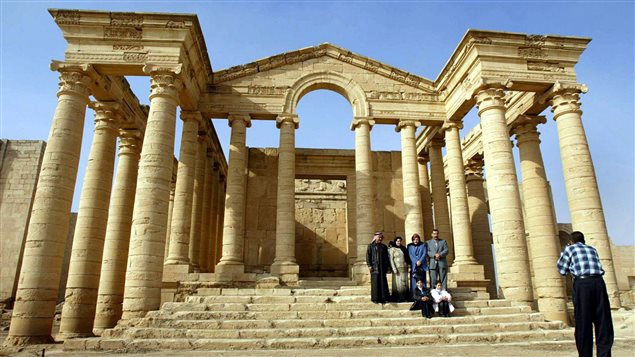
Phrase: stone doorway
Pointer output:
(321, 248)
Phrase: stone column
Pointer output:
(479, 222)
(543, 237)
(144, 274)
(117, 241)
(214, 213)
(197, 203)
(181, 224)
(363, 194)
(504, 199)
(36, 295)
(231, 261)
(587, 215)
(284, 264)
(439, 196)
(220, 217)
(206, 210)
(410, 177)
(170, 211)
(426, 199)
(83, 272)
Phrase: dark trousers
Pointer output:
(592, 309)
(425, 307)
(444, 308)
(439, 273)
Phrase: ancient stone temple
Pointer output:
(269, 218)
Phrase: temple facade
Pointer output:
(287, 212)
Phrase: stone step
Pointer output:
(283, 332)
(186, 344)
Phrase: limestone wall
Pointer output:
(325, 225)
(20, 162)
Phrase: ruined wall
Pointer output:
(322, 237)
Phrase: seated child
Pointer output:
(423, 300)
(442, 301)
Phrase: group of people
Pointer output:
(410, 266)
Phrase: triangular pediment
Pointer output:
(323, 50)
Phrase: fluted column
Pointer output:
(36, 295)
(231, 261)
(543, 237)
(426, 199)
(144, 274)
(214, 213)
(197, 202)
(439, 196)
(181, 224)
(117, 241)
(284, 265)
(363, 194)
(220, 217)
(410, 177)
(170, 211)
(587, 214)
(80, 297)
(504, 198)
(206, 210)
(479, 222)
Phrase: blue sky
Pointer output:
(415, 36)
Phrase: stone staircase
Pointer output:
(317, 315)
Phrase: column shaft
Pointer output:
(220, 218)
(461, 232)
(197, 205)
(426, 199)
(36, 295)
(234, 220)
(80, 298)
(117, 240)
(410, 177)
(504, 199)
(587, 214)
(205, 213)
(439, 196)
(214, 212)
(144, 274)
(543, 236)
(363, 194)
(181, 224)
(170, 211)
(284, 264)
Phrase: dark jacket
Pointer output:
(418, 294)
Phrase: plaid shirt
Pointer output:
(580, 260)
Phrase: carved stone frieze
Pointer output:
(405, 96)
(544, 66)
(135, 56)
(122, 33)
(175, 24)
(320, 186)
(266, 90)
(127, 47)
(126, 19)
(67, 17)
(535, 40)
(531, 52)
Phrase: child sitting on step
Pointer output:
(442, 300)
(423, 300)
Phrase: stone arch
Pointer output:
(334, 81)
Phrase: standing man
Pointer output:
(437, 251)
(378, 265)
(590, 299)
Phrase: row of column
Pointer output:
(117, 257)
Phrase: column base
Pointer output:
(288, 272)
(467, 276)
(227, 271)
(176, 272)
(13, 341)
(63, 336)
(360, 273)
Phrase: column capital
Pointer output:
(423, 158)
(405, 123)
(437, 142)
(566, 100)
(359, 121)
(108, 115)
(74, 78)
(231, 118)
(287, 118)
(194, 115)
(165, 80)
(490, 97)
(450, 124)
(129, 142)
(474, 168)
(524, 127)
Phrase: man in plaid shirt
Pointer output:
(590, 299)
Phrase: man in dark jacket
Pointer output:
(379, 266)
(437, 251)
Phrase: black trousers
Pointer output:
(425, 307)
(592, 309)
(444, 308)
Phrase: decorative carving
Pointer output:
(127, 47)
(531, 52)
(126, 19)
(398, 75)
(122, 33)
(544, 66)
(407, 96)
(320, 186)
(135, 57)
(67, 17)
(74, 82)
(345, 57)
(165, 84)
(372, 66)
(535, 40)
(175, 24)
(266, 90)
